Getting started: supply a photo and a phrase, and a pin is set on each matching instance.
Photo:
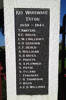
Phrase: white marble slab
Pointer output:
(9, 26)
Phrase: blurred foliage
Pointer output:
(60, 66)
(2, 20)
(60, 46)
(3, 89)
(2, 61)
(2, 58)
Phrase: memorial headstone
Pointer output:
(32, 49)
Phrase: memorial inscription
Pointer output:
(32, 50)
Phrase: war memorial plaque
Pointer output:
(32, 49)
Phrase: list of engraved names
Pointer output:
(32, 50)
